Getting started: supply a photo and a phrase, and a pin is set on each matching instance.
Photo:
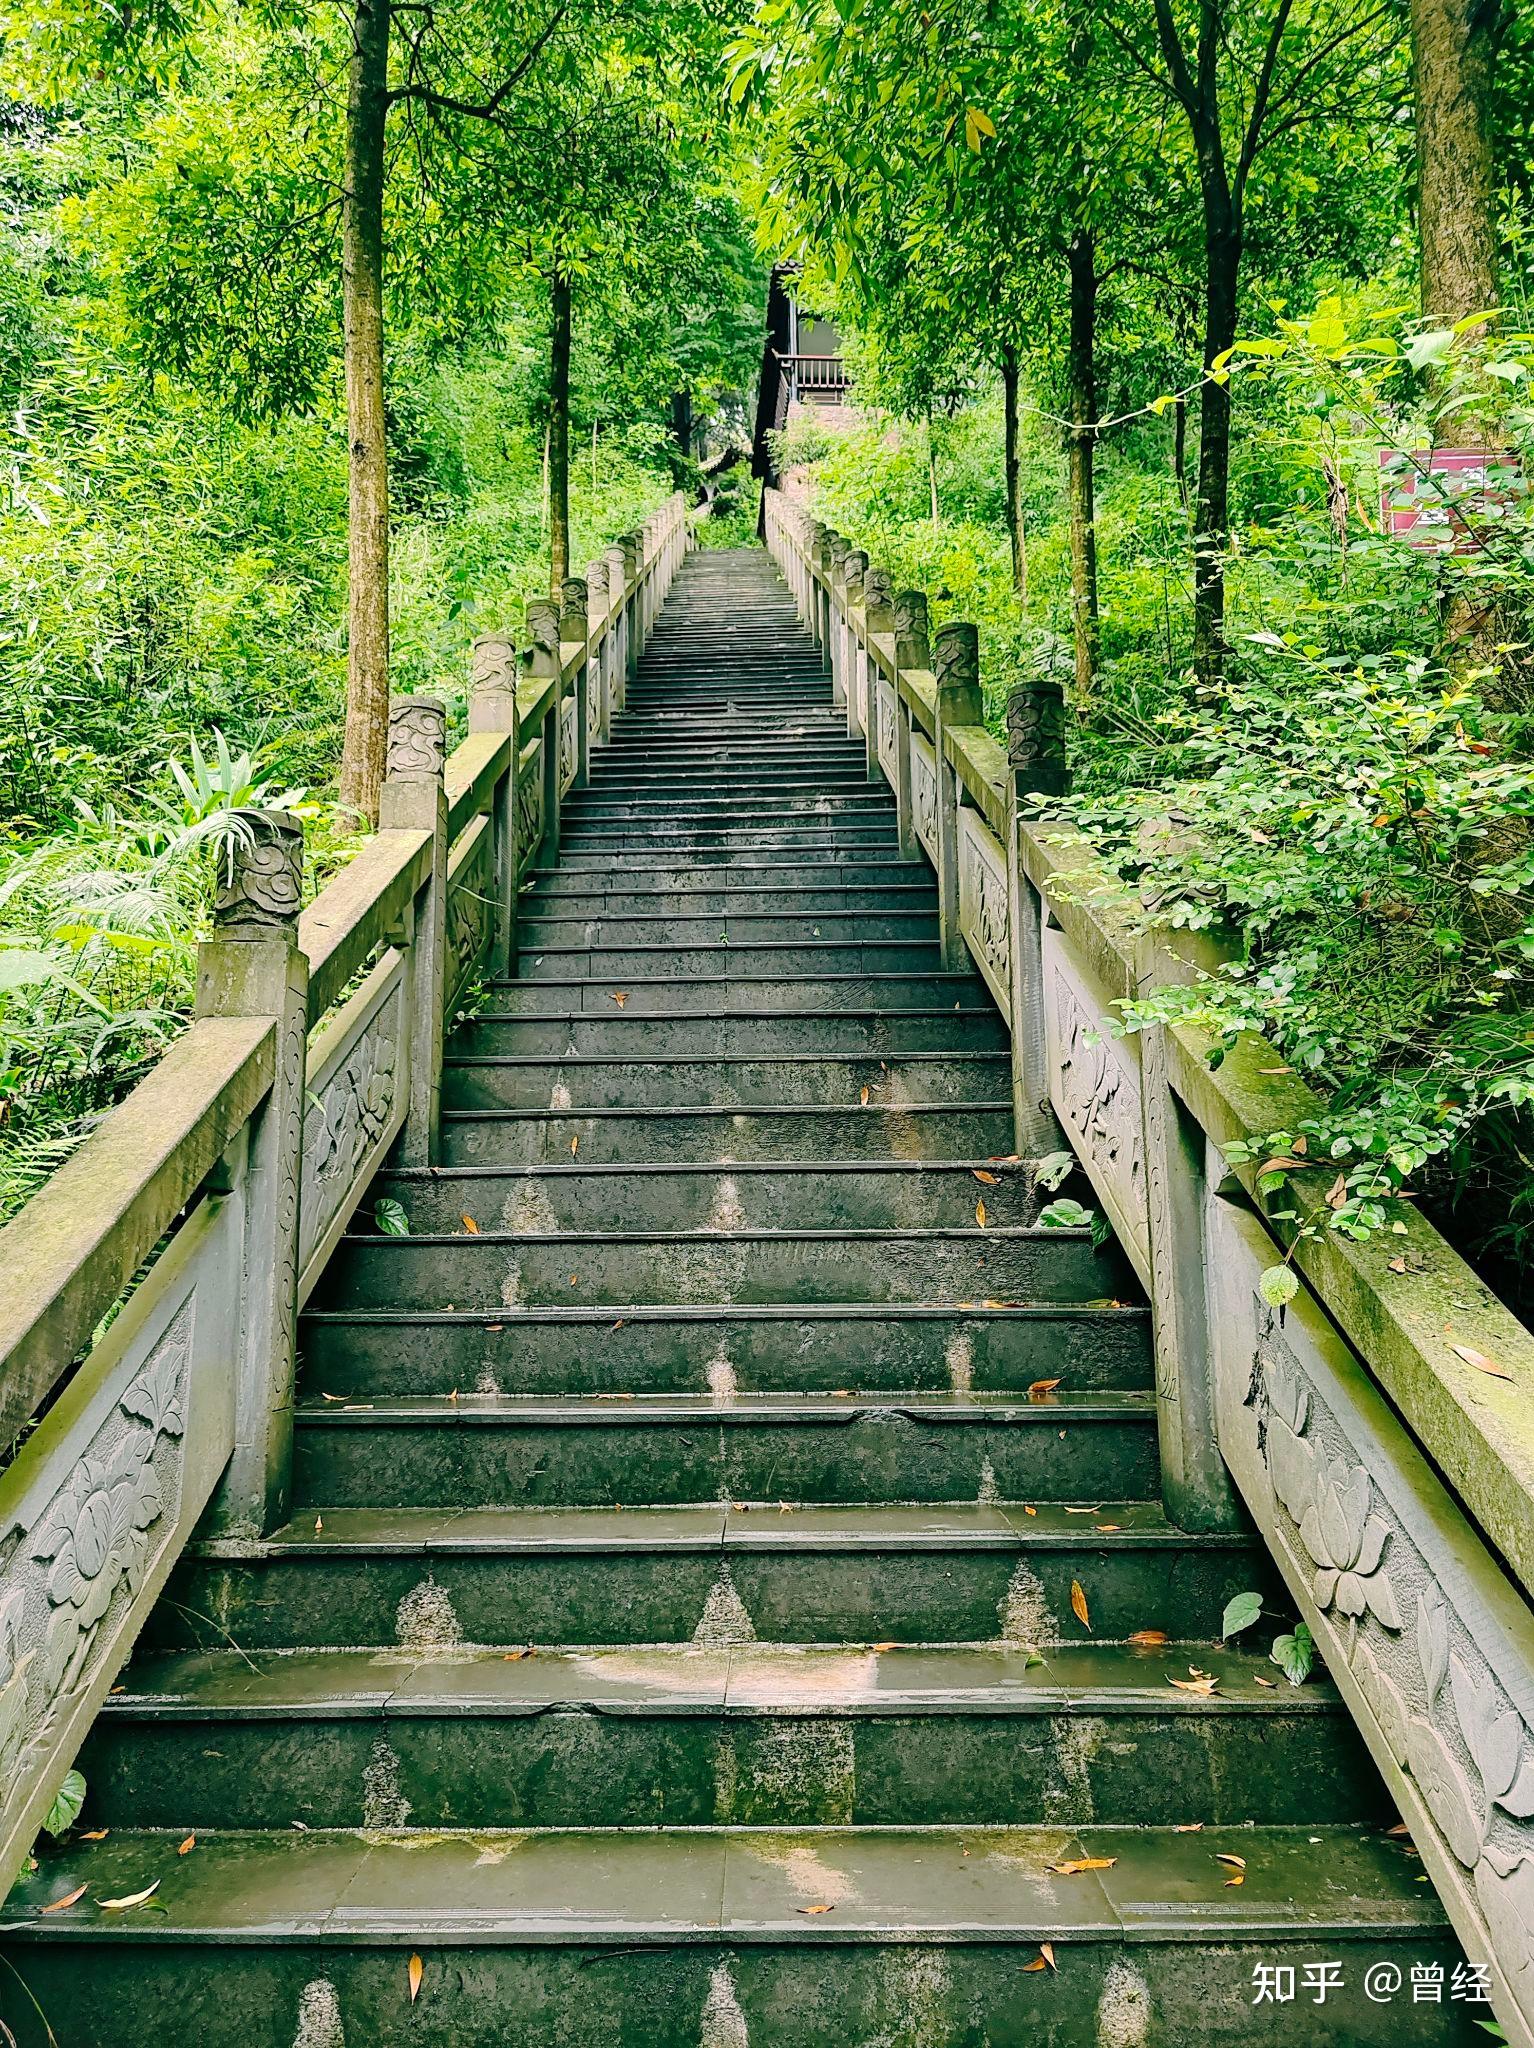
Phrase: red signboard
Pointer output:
(1437, 498)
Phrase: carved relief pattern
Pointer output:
(924, 797)
(884, 699)
(345, 1125)
(417, 736)
(470, 904)
(263, 881)
(569, 740)
(1448, 1722)
(85, 1559)
(1098, 1097)
(529, 816)
(983, 906)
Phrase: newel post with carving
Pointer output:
(601, 679)
(414, 801)
(818, 536)
(912, 653)
(1037, 762)
(493, 708)
(854, 563)
(252, 967)
(878, 617)
(543, 663)
(956, 668)
(836, 639)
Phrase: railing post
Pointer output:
(601, 661)
(956, 663)
(252, 967)
(542, 616)
(911, 652)
(836, 637)
(878, 617)
(1036, 757)
(632, 637)
(853, 565)
(572, 639)
(615, 559)
(817, 552)
(413, 801)
(493, 708)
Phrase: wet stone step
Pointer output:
(756, 1736)
(846, 1194)
(540, 930)
(632, 1030)
(619, 898)
(643, 1348)
(710, 1574)
(523, 1137)
(742, 994)
(810, 958)
(493, 1270)
(676, 1081)
(470, 1450)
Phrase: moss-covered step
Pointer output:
(672, 1081)
(491, 1269)
(873, 1194)
(629, 1032)
(766, 1571)
(916, 1130)
(758, 1736)
(915, 1939)
(703, 1348)
(584, 896)
(738, 994)
(600, 1451)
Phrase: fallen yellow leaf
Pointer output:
(620, 996)
(990, 1180)
(1080, 1863)
(1481, 1362)
(133, 1899)
(1202, 1686)
(413, 1973)
(1039, 1388)
(187, 1846)
(980, 1214)
(815, 1909)
(470, 1226)
(1187, 1827)
(69, 1899)
(1079, 1604)
(1047, 1952)
(863, 1095)
(1149, 1638)
(575, 1144)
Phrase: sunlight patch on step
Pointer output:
(724, 1620)
(1068, 1800)
(728, 1212)
(528, 1210)
(559, 1097)
(724, 2024)
(384, 1805)
(1124, 2008)
(319, 2016)
(960, 1360)
(721, 1375)
(989, 1492)
(1024, 1611)
(425, 1620)
(807, 1876)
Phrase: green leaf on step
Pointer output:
(67, 1801)
(1065, 1215)
(1240, 1613)
(1053, 1168)
(1294, 1655)
(1276, 1285)
(391, 1218)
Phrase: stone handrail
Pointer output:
(1391, 1474)
(222, 1183)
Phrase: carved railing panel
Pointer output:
(357, 1098)
(530, 811)
(470, 906)
(983, 903)
(924, 794)
(884, 698)
(569, 743)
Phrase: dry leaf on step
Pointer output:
(133, 1899)
(1079, 1604)
(413, 1974)
(470, 1225)
(990, 1180)
(69, 1899)
(1080, 1863)
(980, 1214)
(1481, 1362)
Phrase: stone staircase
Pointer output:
(727, 1601)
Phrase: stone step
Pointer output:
(760, 1735)
(488, 1269)
(524, 1137)
(598, 1450)
(539, 932)
(505, 1081)
(649, 1349)
(739, 994)
(584, 895)
(727, 867)
(924, 1938)
(709, 1573)
(837, 798)
(634, 1029)
(788, 961)
(661, 840)
(877, 1194)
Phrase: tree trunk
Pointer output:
(1452, 50)
(559, 435)
(681, 423)
(1180, 448)
(1211, 527)
(367, 528)
(1009, 383)
(937, 515)
(1081, 401)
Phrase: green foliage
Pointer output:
(1241, 1612)
(67, 1802)
(1295, 1654)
